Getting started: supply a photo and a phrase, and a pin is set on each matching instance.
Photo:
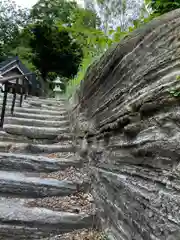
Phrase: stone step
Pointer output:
(10, 96)
(46, 107)
(35, 99)
(56, 108)
(18, 222)
(9, 104)
(27, 104)
(64, 137)
(36, 122)
(30, 186)
(52, 106)
(20, 162)
(35, 148)
(46, 101)
(34, 132)
(4, 136)
(40, 111)
(40, 116)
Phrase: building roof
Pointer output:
(15, 62)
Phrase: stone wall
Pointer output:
(132, 126)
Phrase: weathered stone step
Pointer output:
(46, 105)
(58, 108)
(34, 132)
(55, 108)
(18, 222)
(9, 104)
(26, 108)
(10, 96)
(41, 106)
(40, 116)
(46, 101)
(40, 111)
(20, 162)
(35, 99)
(19, 184)
(36, 122)
(35, 148)
(4, 136)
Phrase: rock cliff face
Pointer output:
(132, 125)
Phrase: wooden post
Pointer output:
(4, 104)
(14, 96)
(22, 92)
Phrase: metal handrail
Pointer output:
(24, 89)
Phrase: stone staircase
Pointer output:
(43, 191)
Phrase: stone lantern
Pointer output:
(57, 88)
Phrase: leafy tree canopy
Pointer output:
(12, 20)
(53, 10)
(54, 51)
(65, 43)
(86, 18)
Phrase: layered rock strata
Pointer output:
(130, 119)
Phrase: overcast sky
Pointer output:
(30, 3)
(26, 3)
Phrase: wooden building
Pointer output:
(13, 67)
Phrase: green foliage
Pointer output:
(41, 45)
(96, 42)
(60, 38)
(12, 20)
(51, 11)
(36, 39)
(84, 29)
(163, 6)
(85, 18)
(59, 50)
(54, 51)
(26, 56)
(175, 92)
(74, 82)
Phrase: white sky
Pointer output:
(30, 3)
(26, 3)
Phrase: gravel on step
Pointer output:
(71, 174)
(77, 203)
(61, 155)
(83, 234)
